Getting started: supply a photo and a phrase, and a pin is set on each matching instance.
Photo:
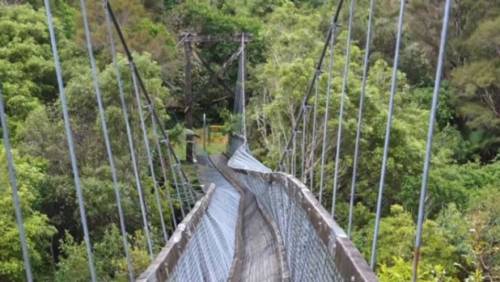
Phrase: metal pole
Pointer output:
(71, 145)
(430, 133)
(387, 135)
(15, 195)
(345, 80)
(360, 115)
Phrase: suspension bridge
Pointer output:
(249, 222)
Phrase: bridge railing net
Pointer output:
(308, 233)
(208, 256)
(308, 258)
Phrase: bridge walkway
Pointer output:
(258, 255)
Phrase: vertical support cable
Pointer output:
(345, 81)
(294, 148)
(163, 168)
(148, 154)
(107, 142)
(303, 145)
(283, 166)
(387, 135)
(188, 99)
(243, 102)
(333, 40)
(191, 200)
(71, 146)
(163, 132)
(205, 135)
(15, 195)
(130, 140)
(289, 159)
(171, 164)
(185, 184)
(313, 138)
(430, 135)
(360, 114)
(315, 76)
(188, 188)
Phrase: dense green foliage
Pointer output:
(47, 188)
(464, 165)
(462, 228)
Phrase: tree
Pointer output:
(457, 230)
(38, 229)
(484, 215)
(402, 271)
(26, 65)
(212, 89)
(109, 259)
(450, 183)
(395, 248)
(142, 31)
(43, 137)
(282, 82)
(476, 83)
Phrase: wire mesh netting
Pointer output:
(209, 254)
(307, 256)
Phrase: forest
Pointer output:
(462, 227)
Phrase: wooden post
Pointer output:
(189, 39)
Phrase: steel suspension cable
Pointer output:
(360, 114)
(294, 148)
(15, 194)
(430, 135)
(303, 145)
(174, 175)
(148, 155)
(163, 170)
(188, 189)
(345, 81)
(71, 145)
(130, 140)
(184, 179)
(107, 142)
(242, 83)
(394, 81)
(144, 91)
(313, 137)
(315, 76)
(204, 133)
(326, 114)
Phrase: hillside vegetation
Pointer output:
(462, 230)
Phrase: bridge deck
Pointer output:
(257, 256)
(253, 226)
